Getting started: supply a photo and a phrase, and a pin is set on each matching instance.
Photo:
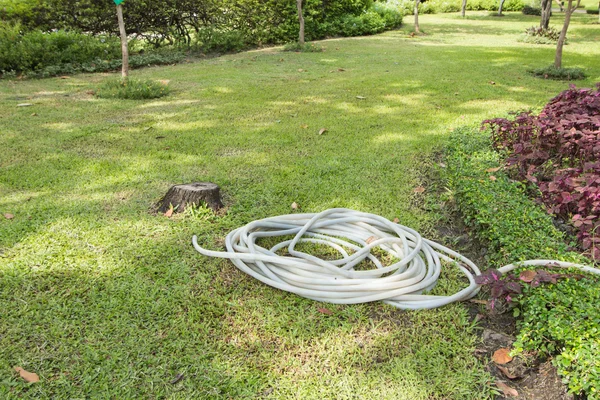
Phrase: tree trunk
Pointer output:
(563, 33)
(417, 30)
(463, 9)
(546, 12)
(180, 196)
(124, 48)
(501, 5)
(301, 20)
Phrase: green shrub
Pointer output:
(561, 318)
(392, 17)
(559, 74)
(164, 57)
(35, 50)
(132, 89)
(367, 23)
(529, 10)
(304, 48)
(498, 207)
(538, 35)
(564, 318)
(213, 41)
(594, 11)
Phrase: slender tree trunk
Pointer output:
(124, 48)
(417, 30)
(501, 6)
(301, 20)
(563, 33)
(546, 11)
(463, 9)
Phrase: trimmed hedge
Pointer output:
(514, 226)
(516, 229)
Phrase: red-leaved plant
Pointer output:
(559, 151)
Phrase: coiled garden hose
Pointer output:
(414, 271)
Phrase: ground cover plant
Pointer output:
(102, 298)
(556, 308)
(132, 89)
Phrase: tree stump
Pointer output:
(180, 196)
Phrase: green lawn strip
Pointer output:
(556, 319)
(103, 299)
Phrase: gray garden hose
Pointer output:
(417, 266)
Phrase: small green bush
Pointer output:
(559, 74)
(304, 48)
(538, 35)
(593, 11)
(35, 50)
(368, 23)
(132, 89)
(209, 40)
(529, 10)
(392, 17)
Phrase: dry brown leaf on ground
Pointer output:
(294, 206)
(371, 239)
(322, 131)
(8, 216)
(507, 390)
(27, 376)
(502, 356)
(527, 276)
(492, 178)
(169, 212)
(419, 189)
(396, 221)
(325, 311)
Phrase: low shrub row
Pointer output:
(560, 319)
(406, 7)
(27, 51)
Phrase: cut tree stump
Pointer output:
(180, 196)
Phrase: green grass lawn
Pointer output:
(103, 299)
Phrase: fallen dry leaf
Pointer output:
(492, 178)
(419, 189)
(506, 372)
(169, 213)
(361, 97)
(502, 356)
(27, 376)
(322, 131)
(8, 216)
(527, 276)
(507, 390)
(371, 239)
(492, 83)
(492, 169)
(341, 69)
(396, 221)
(325, 311)
(443, 165)
(24, 105)
(294, 206)
(34, 115)
(477, 301)
(304, 126)
(300, 70)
